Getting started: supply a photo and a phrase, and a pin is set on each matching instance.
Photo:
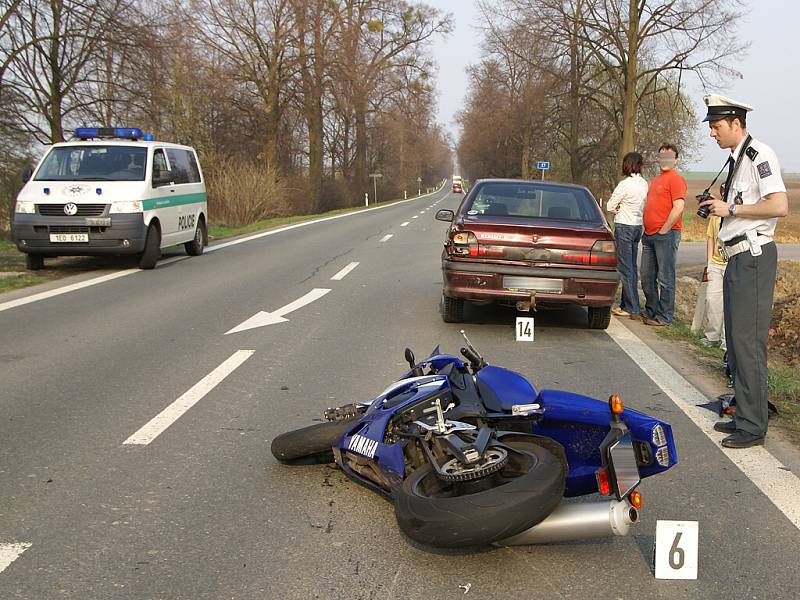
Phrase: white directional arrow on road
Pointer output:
(262, 318)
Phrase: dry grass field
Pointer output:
(694, 228)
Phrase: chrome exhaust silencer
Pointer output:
(578, 521)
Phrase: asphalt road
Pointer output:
(204, 512)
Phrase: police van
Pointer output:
(111, 191)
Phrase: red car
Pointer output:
(457, 188)
(528, 244)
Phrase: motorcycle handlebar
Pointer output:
(472, 357)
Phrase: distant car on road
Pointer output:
(528, 244)
(457, 188)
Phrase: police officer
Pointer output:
(754, 198)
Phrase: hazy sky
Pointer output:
(771, 79)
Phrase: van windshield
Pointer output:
(93, 163)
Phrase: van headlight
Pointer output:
(126, 206)
(25, 207)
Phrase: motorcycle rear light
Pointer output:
(615, 404)
(659, 437)
(662, 456)
(603, 483)
(635, 499)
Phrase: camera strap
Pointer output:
(732, 171)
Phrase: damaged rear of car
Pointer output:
(529, 244)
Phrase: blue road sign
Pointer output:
(543, 164)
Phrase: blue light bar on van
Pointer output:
(131, 133)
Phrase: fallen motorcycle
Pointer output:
(472, 454)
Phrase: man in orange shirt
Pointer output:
(662, 234)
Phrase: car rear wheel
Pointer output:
(452, 309)
(34, 262)
(599, 317)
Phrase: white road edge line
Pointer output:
(11, 552)
(174, 411)
(343, 273)
(65, 290)
(404, 223)
(769, 475)
(387, 237)
(103, 278)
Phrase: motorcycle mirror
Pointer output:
(410, 358)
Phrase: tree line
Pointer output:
(583, 82)
(292, 104)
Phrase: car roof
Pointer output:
(119, 142)
(535, 181)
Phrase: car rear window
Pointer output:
(533, 200)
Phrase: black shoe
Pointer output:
(725, 426)
(742, 439)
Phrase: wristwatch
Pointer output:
(731, 209)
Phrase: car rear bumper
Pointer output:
(484, 282)
(125, 235)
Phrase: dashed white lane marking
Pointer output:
(387, 237)
(103, 278)
(404, 223)
(262, 318)
(422, 212)
(11, 552)
(174, 411)
(415, 217)
(343, 273)
(769, 475)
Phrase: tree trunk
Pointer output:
(360, 182)
(628, 141)
(55, 116)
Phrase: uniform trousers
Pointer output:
(748, 289)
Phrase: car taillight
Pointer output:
(603, 252)
(465, 243)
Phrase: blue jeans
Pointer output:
(659, 255)
(627, 239)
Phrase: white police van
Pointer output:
(111, 191)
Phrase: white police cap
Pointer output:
(720, 107)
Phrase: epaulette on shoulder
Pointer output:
(751, 153)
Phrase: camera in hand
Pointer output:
(704, 211)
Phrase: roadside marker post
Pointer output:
(676, 552)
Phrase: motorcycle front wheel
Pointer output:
(451, 515)
(312, 444)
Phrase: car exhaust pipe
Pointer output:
(578, 521)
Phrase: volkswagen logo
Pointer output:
(70, 209)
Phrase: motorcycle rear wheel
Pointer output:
(438, 513)
(310, 445)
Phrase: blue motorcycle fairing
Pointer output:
(579, 423)
(439, 362)
(366, 437)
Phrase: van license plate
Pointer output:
(69, 237)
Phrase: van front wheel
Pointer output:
(152, 248)
(195, 247)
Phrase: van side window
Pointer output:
(179, 162)
(194, 170)
(160, 169)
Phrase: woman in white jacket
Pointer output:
(627, 204)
